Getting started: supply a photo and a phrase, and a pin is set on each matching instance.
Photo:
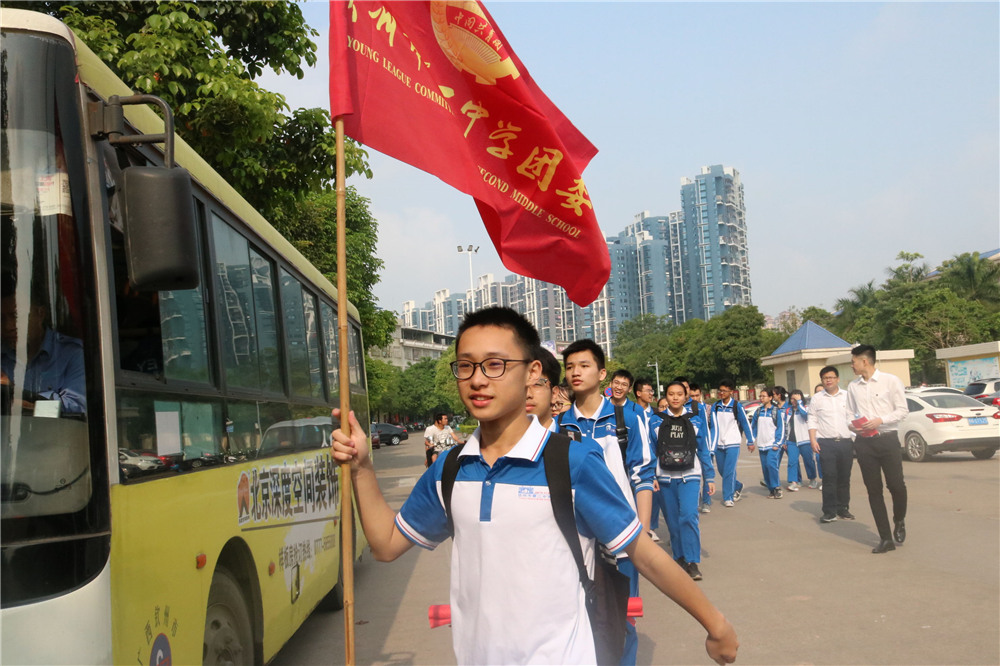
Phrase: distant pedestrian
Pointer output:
(728, 425)
(642, 389)
(695, 396)
(562, 399)
(438, 438)
(833, 440)
(877, 404)
(768, 434)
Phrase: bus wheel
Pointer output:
(228, 633)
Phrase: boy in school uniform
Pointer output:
(540, 394)
(511, 603)
(592, 415)
(728, 424)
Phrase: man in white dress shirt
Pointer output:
(877, 404)
(832, 439)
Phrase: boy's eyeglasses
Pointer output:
(493, 368)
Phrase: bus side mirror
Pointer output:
(160, 232)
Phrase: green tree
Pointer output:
(418, 395)
(311, 225)
(737, 340)
(445, 386)
(640, 341)
(817, 315)
(907, 272)
(974, 278)
(383, 387)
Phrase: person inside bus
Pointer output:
(55, 368)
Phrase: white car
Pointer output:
(944, 421)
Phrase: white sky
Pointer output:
(858, 129)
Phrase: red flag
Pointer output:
(436, 85)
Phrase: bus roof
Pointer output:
(99, 77)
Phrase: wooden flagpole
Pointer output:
(346, 490)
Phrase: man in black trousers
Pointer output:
(877, 402)
(832, 439)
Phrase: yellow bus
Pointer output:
(169, 365)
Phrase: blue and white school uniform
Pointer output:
(728, 424)
(796, 421)
(768, 430)
(679, 490)
(516, 596)
(634, 474)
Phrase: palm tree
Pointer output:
(846, 309)
(973, 277)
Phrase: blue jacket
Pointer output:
(703, 463)
(762, 432)
(637, 471)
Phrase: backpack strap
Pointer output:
(620, 430)
(556, 457)
(448, 475)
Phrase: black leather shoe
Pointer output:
(900, 532)
(884, 546)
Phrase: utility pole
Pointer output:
(656, 364)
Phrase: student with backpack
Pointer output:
(623, 437)
(682, 460)
(768, 431)
(511, 601)
(727, 426)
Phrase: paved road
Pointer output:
(798, 592)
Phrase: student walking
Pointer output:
(510, 602)
(728, 425)
(797, 442)
(623, 437)
(767, 427)
(682, 460)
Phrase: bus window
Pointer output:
(246, 311)
(301, 336)
(248, 421)
(356, 370)
(184, 433)
(329, 326)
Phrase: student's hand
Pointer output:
(656, 486)
(711, 488)
(350, 449)
(750, 448)
(722, 643)
(815, 446)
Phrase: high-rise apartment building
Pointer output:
(715, 246)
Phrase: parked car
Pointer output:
(934, 389)
(991, 399)
(982, 387)
(137, 463)
(948, 422)
(750, 407)
(390, 434)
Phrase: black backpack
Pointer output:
(677, 442)
(608, 593)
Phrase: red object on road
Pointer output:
(440, 614)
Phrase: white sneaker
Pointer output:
(729, 503)
(652, 535)
(814, 484)
(706, 508)
(793, 487)
(737, 495)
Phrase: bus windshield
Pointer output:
(49, 471)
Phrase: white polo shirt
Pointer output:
(516, 596)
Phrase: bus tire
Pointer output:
(228, 630)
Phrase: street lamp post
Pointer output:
(656, 364)
(471, 250)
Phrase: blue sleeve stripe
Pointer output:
(413, 535)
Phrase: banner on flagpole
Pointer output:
(436, 85)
